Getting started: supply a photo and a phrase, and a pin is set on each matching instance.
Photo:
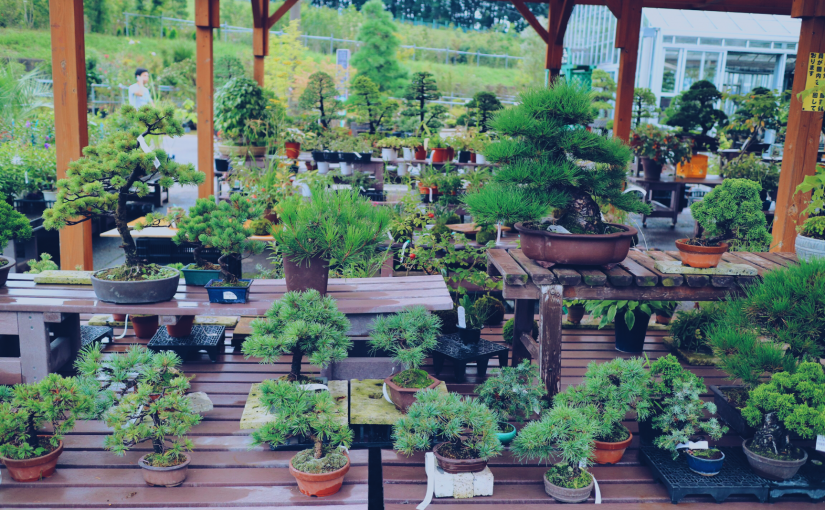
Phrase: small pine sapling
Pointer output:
(408, 336)
(44, 264)
(732, 213)
(301, 324)
(516, 393)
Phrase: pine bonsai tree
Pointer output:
(732, 213)
(482, 106)
(101, 182)
(543, 140)
(301, 324)
(13, 225)
(603, 92)
(107, 379)
(693, 109)
(376, 58)
(515, 393)
(421, 90)
(369, 105)
(408, 336)
(321, 95)
(644, 105)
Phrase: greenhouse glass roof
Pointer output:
(723, 24)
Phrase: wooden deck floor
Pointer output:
(225, 473)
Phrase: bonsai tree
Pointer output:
(644, 105)
(408, 336)
(26, 408)
(376, 58)
(368, 104)
(515, 393)
(467, 427)
(301, 324)
(308, 416)
(111, 172)
(603, 92)
(421, 90)
(661, 146)
(320, 94)
(564, 433)
(758, 110)
(482, 106)
(693, 111)
(240, 109)
(542, 141)
(13, 225)
(45, 263)
(732, 213)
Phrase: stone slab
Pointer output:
(724, 268)
(256, 414)
(462, 485)
(64, 277)
(203, 320)
(244, 326)
(368, 405)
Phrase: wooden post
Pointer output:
(550, 321)
(555, 47)
(260, 38)
(627, 39)
(804, 128)
(70, 126)
(206, 18)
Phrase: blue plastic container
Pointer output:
(228, 295)
(705, 467)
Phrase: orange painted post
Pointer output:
(206, 18)
(70, 126)
(260, 38)
(627, 39)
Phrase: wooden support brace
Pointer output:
(283, 9)
(523, 324)
(528, 16)
(550, 314)
(205, 16)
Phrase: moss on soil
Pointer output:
(709, 454)
(793, 454)
(155, 460)
(457, 451)
(412, 378)
(238, 284)
(3, 262)
(140, 273)
(206, 267)
(562, 475)
(737, 397)
(619, 433)
(331, 460)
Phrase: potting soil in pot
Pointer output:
(306, 462)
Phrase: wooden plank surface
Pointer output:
(507, 267)
(666, 280)
(692, 280)
(538, 274)
(642, 276)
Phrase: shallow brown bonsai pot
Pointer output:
(579, 249)
(700, 256)
(5, 269)
(182, 328)
(34, 469)
(565, 495)
(575, 313)
(311, 273)
(171, 476)
(322, 484)
(611, 453)
(773, 469)
(458, 465)
(145, 326)
(403, 398)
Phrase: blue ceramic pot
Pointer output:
(228, 295)
(705, 467)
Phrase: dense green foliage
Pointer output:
(663, 147)
(509, 326)
(732, 213)
(368, 104)
(756, 111)
(13, 225)
(240, 106)
(690, 328)
(407, 335)
(321, 96)
(752, 167)
(481, 108)
(420, 91)
(603, 94)
(693, 110)
(813, 226)
(516, 393)
(45, 263)
(376, 58)
(644, 106)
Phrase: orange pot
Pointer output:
(293, 149)
(145, 327)
(426, 191)
(183, 328)
(610, 453)
(700, 256)
(32, 470)
(439, 155)
(420, 153)
(320, 485)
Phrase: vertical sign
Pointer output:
(816, 78)
(342, 59)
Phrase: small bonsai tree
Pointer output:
(421, 90)
(476, 313)
(564, 432)
(466, 425)
(515, 393)
(494, 309)
(301, 324)
(44, 264)
(693, 110)
(732, 213)
(603, 94)
(482, 106)
(321, 95)
(608, 392)
(26, 408)
(307, 416)
(101, 182)
(644, 106)
(368, 104)
(13, 225)
(408, 336)
(240, 109)
(509, 327)
(542, 141)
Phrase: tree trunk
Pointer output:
(226, 274)
(31, 432)
(197, 253)
(122, 225)
(319, 449)
(157, 446)
(295, 369)
(582, 216)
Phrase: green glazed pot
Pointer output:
(506, 437)
(200, 277)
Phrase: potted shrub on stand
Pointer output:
(564, 433)
(439, 149)
(240, 110)
(656, 147)
(101, 182)
(13, 225)
(308, 416)
(516, 393)
(292, 142)
(540, 146)
(29, 453)
(732, 218)
(476, 314)
(694, 112)
(466, 426)
(407, 336)
(409, 147)
(810, 239)
(689, 333)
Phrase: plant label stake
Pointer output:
(498, 235)
(431, 194)
(403, 248)
(690, 445)
(145, 148)
(820, 443)
(462, 321)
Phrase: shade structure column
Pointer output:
(260, 38)
(804, 129)
(70, 124)
(627, 40)
(207, 17)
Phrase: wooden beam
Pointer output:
(564, 11)
(70, 125)
(283, 9)
(802, 137)
(615, 7)
(531, 19)
(779, 7)
(627, 39)
(260, 38)
(555, 50)
(205, 94)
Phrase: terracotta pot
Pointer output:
(420, 152)
(773, 469)
(458, 465)
(424, 190)
(182, 328)
(308, 274)
(118, 317)
(439, 155)
(164, 476)
(579, 249)
(652, 169)
(320, 485)
(271, 216)
(32, 470)
(700, 256)
(293, 149)
(403, 398)
(575, 313)
(5, 269)
(663, 319)
(450, 153)
(610, 453)
(564, 495)
(145, 327)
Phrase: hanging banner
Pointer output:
(816, 78)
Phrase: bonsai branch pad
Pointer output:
(368, 405)
(724, 268)
(256, 414)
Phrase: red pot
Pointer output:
(662, 319)
(420, 152)
(610, 453)
(575, 314)
(403, 398)
(700, 256)
(320, 485)
(293, 149)
(183, 328)
(450, 153)
(118, 317)
(145, 327)
(32, 470)
(439, 155)
(472, 157)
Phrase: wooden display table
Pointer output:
(635, 278)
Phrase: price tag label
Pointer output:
(462, 321)
(820, 443)
(690, 445)
(582, 464)
(145, 147)
(229, 295)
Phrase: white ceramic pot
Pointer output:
(323, 167)
(480, 159)
(49, 196)
(387, 154)
(408, 154)
(808, 248)
(402, 169)
(346, 168)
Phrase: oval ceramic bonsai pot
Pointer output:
(403, 398)
(506, 437)
(129, 293)
(312, 273)
(171, 476)
(773, 469)
(564, 495)
(199, 277)
(455, 466)
(575, 313)
(611, 453)
(631, 340)
(807, 248)
(224, 294)
(700, 256)
(183, 328)
(32, 470)
(703, 466)
(580, 249)
(322, 484)
(5, 269)
(145, 326)
(652, 169)
(469, 336)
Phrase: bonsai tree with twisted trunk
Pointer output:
(407, 336)
(301, 324)
(114, 171)
(321, 95)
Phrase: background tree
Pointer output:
(321, 95)
(482, 106)
(287, 56)
(368, 104)
(603, 92)
(644, 105)
(693, 110)
(376, 58)
(421, 90)
(757, 111)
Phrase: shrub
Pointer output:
(732, 213)
(814, 226)
(476, 313)
(515, 393)
(752, 168)
(690, 328)
(240, 104)
(13, 225)
(494, 309)
(509, 326)
(44, 264)
(320, 94)
(408, 336)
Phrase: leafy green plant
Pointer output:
(368, 105)
(814, 226)
(466, 425)
(815, 184)
(753, 168)
(408, 336)
(239, 103)
(26, 408)
(690, 328)
(482, 107)
(320, 94)
(308, 416)
(494, 309)
(732, 213)
(44, 264)
(476, 313)
(13, 225)
(649, 141)
(609, 309)
(665, 308)
(421, 90)
(756, 111)
(301, 324)
(645, 106)
(515, 392)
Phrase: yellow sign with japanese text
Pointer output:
(816, 78)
